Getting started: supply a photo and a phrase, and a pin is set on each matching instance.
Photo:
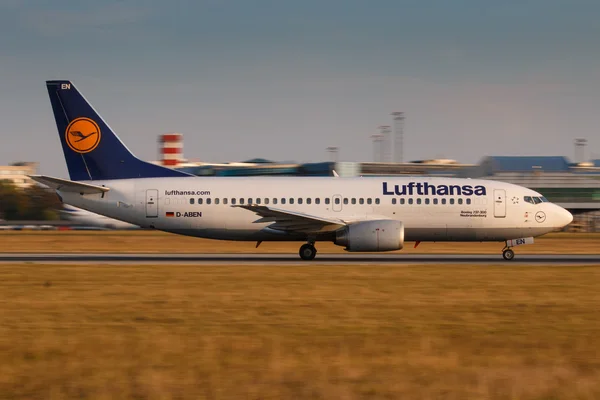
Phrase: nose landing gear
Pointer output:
(508, 254)
(308, 251)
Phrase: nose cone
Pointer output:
(563, 217)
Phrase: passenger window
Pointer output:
(199, 201)
(337, 200)
(410, 201)
(426, 201)
(468, 201)
(460, 201)
(317, 201)
(267, 200)
(435, 201)
(345, 200)
(208, 201)
(241, 201)
(361, 201)
(402, 201)
(274, 200)
(283, 200)
(192, 201)
(258, 201)
(443, 201)
(225, 200)
(353, 200)
(233, 201)
(377, 201)
(217, 200)
(369, 201)
(327, 201)
(393, 201)
(419, 200)
(309, 201)
(291, 200)
(451, 201)
(299, 200)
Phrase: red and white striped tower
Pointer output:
(171, 149)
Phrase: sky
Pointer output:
(283, 79)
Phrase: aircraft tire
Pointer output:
(508, 254)
(307, 252)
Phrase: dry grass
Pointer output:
(158, 242)
(317, 332)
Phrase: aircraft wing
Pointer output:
(65, 185)
(290, 221)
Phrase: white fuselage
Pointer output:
(499, 212)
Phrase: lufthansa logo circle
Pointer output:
(82, 135)
(540, 216)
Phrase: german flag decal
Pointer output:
(170, 214)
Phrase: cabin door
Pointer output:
(151, 203)
(499, 203)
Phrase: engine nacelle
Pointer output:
(379, 235)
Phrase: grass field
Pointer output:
(310, 332)
(157, 242)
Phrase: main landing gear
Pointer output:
(308, 251)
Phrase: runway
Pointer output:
(293, 259)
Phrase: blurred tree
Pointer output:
(42, 203)
(11, 201)
(33, 203)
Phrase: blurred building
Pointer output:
(17, 173)
(575, 186)
(433, 167)
(254, 167)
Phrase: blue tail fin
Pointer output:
(91, 148)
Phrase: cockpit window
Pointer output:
(535, 200)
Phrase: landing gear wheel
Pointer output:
(307, 252)
(508, 254)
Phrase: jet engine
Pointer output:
(378, 235)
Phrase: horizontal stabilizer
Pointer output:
(65, 185)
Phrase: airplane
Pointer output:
(90, 219)
(363, 214)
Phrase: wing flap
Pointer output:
(65, 185)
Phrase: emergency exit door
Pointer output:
(499, 203)
(151, 203)
(337, 203)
